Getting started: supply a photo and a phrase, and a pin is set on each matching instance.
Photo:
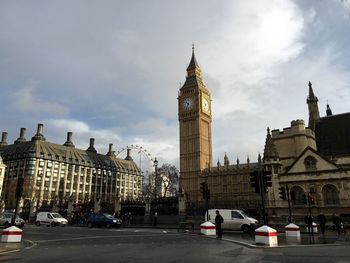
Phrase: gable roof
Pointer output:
(298, 165)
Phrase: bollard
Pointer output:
(11, 234)
(208, 229)
(292, 233)
(314, 228)
(266, 235)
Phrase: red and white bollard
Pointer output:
(292, 231)
(208, 229)
(266, 235)
(11, 234)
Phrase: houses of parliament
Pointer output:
(312, 159)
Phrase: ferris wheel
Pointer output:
(142, 157)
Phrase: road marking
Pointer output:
(98, 237)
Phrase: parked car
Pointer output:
(234, 219)
(105, 220)
(50, 219)
(5, 220)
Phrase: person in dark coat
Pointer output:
(322, 221)
(337, 223)
(309, 220)
(218, 221)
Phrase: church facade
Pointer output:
(312, 161)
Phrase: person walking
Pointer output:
(337, 223)
(322, 221)
(218, 221)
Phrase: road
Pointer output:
(80, 244)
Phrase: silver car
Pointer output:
(5, 220)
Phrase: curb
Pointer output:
(25, 244)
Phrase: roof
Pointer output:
(193, 63)
(57, 152)
(241, 166)
(332, 135)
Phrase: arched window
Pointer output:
(330, 195)
(310, 163)
(297, 195)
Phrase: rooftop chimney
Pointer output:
(39, 133)
(21, 137)
(128, 157)
(91, 147)
(69, 142)
(3, 139)
(110, 150)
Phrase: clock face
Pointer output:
(188, 104)
(205, 105)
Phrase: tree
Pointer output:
(168, 179)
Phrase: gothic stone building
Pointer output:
(312, 161)
(57, 173)
(229, 184)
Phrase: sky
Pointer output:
(111, 70)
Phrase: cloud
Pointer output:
(154, 135)
(111, 70)
(24, 100)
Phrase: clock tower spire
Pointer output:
(194, 112)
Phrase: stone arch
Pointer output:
(330, 194)
(297, 195)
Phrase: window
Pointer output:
(330, 195)
(297, 195)
(235, 214)
(310, 163)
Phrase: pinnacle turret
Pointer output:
(314, 115)
(270, 151)
(193, 68)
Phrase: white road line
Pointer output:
(98, 237)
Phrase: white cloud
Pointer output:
(112, 71)
(25, 100)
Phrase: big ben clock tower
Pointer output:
(194, 109)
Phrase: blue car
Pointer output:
(103, 220)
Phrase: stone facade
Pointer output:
(194, 109)
(310, 172)
(312, 161)
(56, 173)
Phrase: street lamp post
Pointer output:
(156, 180)
(156, 189)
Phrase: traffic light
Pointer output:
(208, 194)
(203, 189)
(312, 200)
(254, 181)
(267, 180)
(282, 193)
(19, 188)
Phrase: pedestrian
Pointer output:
(218, 221)
(309, 220)
(322, 221)
(337, 223)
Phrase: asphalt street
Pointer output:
(80, 244)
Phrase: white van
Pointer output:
(234, 219)
(50, 219)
